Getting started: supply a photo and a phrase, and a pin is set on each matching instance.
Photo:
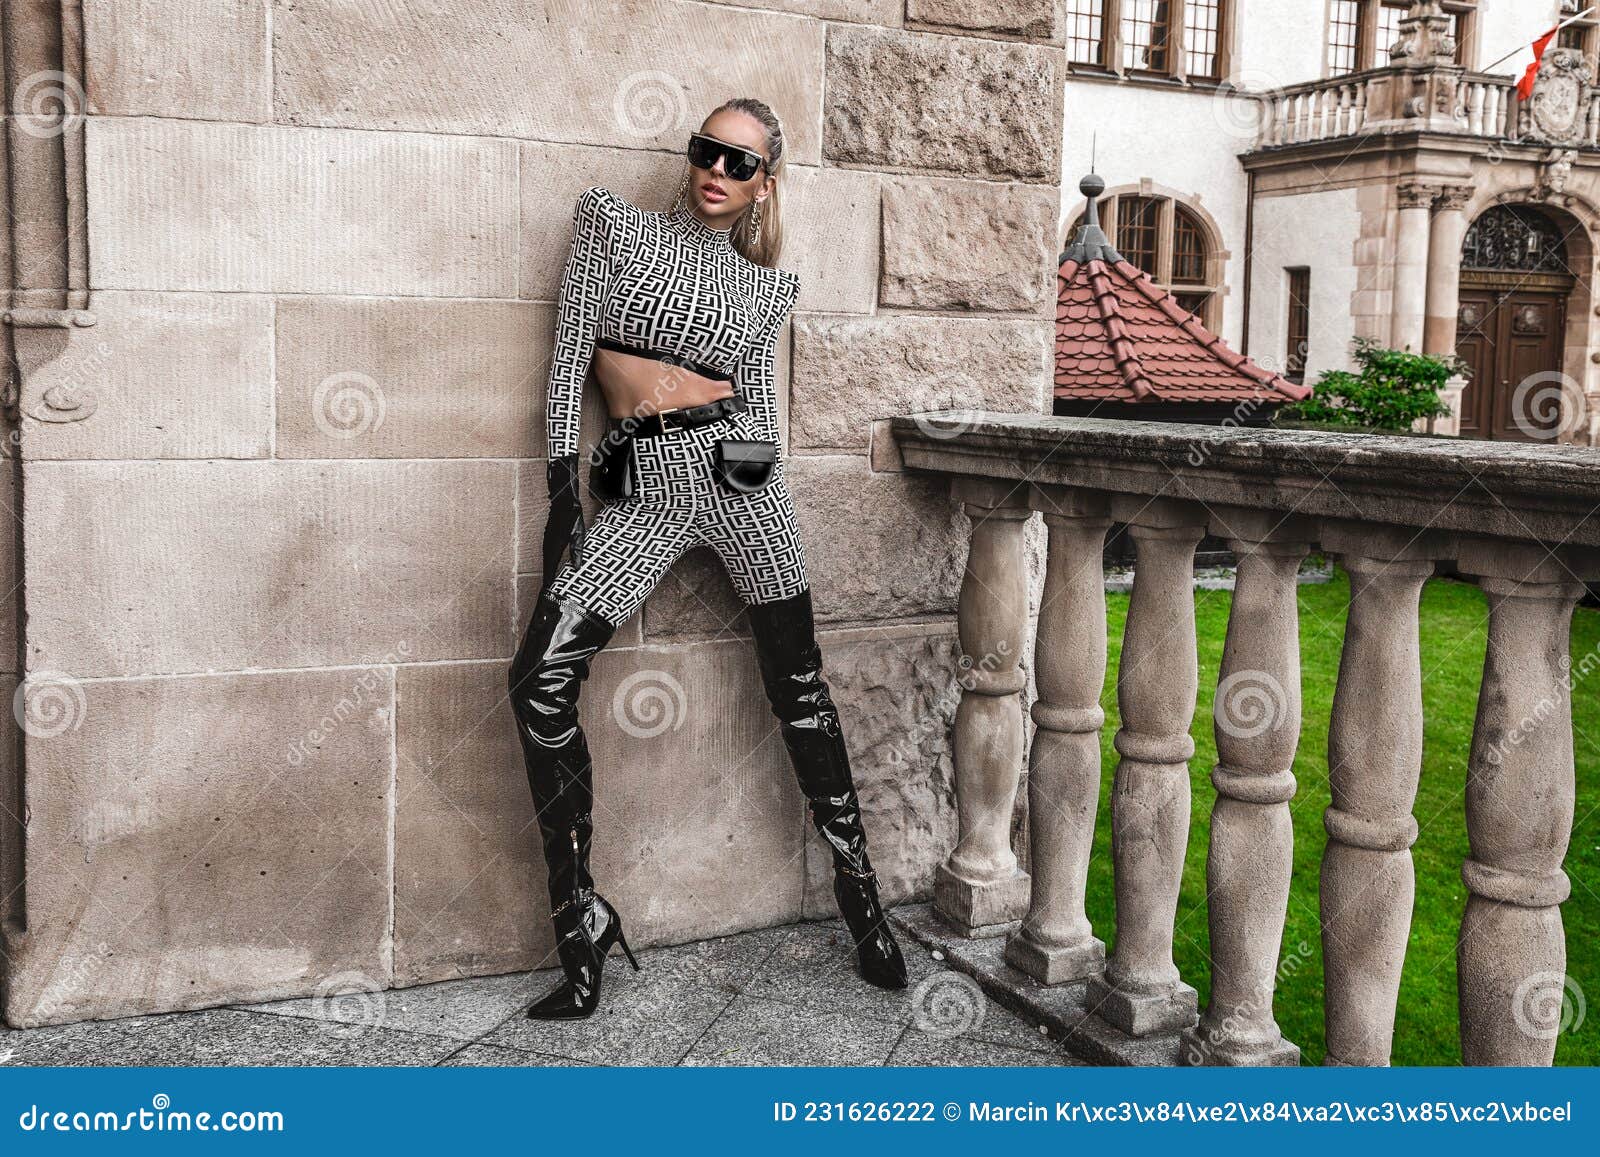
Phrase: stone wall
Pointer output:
(275, 573)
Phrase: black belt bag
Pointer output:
(743, 466)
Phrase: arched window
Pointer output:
(1167, 240)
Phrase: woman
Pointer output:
(679, 312)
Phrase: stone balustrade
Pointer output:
(1515, 517)
(1377, 100)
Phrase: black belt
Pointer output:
(652, 424)
(681, 363)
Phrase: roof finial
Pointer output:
(1091, 243)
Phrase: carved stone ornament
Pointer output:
(1558, 111)
(1555, 167)
(38, 337)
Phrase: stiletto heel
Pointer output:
(626, 951)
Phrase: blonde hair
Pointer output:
(764, 249)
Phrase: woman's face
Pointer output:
(719, 197)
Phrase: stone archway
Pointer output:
(1522, 323)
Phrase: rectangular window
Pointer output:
(1344, 37)
(1389, 17)
(1086, 31)
(1202, 38)
(1299, 324)
(1146, 30)
(1138, 226)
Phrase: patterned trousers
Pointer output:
(678, 503)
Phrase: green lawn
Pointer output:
(1454, 618)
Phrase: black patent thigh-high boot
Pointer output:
(791, 670)
(545, 679)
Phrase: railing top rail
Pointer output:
(1523, 491)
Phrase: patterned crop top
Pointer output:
(669, 283)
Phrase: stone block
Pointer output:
(201, 841)
(881, 546)
(848, 371)
(397, 378)
(1035, 19)
(174, 58)
(635, 73)
(968, 245)
(896, 689)
(881, 12)
(831, 238)
(469, 874)
(930, 103)
(165, 567)
(190, 205)
(169, 376)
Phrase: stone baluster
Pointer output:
(980, 890)
(1055, 943)
(1141, 992)
(1361, 107)
(1374, 761)
(1511, 956)
(1477, 94)
(1256, 714)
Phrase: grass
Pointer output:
(1454, 625)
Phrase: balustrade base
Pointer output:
(1141, 1014)
(979, 911)
(1201, 1051)
(1062, 1010)
(1056, 965)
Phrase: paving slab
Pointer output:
(754, 1030)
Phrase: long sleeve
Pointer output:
(755, 375)
(583, 287)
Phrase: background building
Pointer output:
(1339, 205)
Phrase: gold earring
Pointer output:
(683, 189)
(755, 224)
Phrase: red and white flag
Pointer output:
(1526, 60)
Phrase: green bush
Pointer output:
(1390, 391)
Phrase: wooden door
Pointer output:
(1506, 338)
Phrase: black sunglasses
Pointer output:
(738, 163)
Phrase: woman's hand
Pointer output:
(564, 525)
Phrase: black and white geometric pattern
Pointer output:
(678, 503)
(665, 282)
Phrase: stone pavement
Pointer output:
(777, 996)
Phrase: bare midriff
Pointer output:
(636, 386)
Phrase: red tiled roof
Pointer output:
(1120, 338)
